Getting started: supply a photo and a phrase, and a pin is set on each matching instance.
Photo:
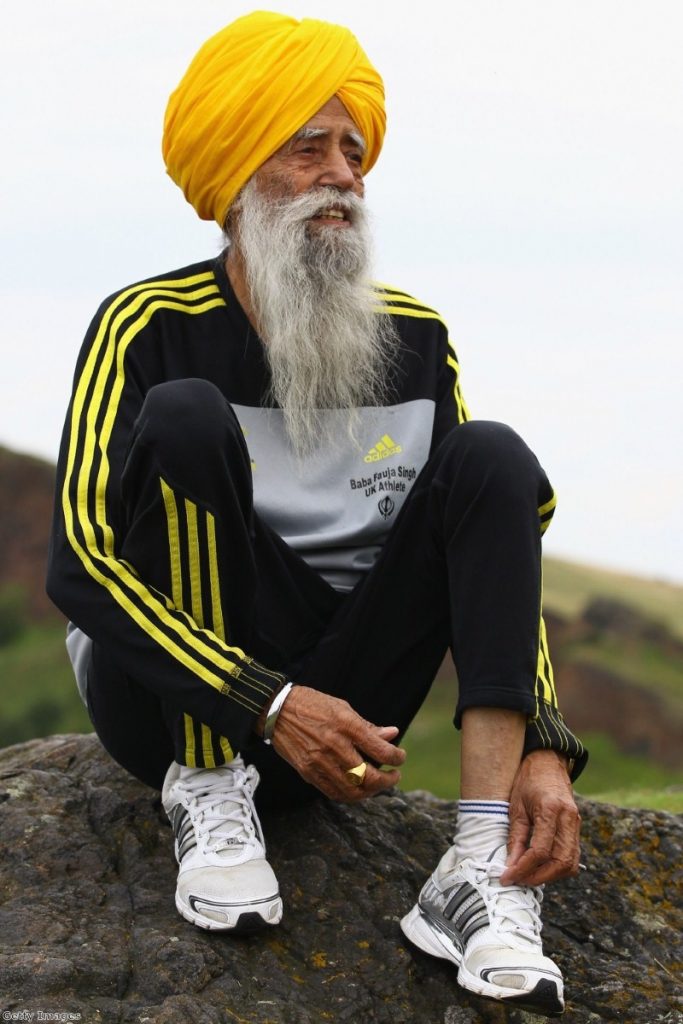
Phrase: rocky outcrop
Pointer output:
(607, 615)
(643, 719)
(88, 925)
(26, 493)
(641, 722)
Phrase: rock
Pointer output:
(642, 721)
(88, 925)
(27, 486)
(608, 615)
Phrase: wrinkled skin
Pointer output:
(322, 737)
(544, 822)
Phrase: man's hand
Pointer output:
(544, 822)
(322, 737)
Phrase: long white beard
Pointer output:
(309, 288)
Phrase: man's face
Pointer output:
(327, 151)
(298, 232)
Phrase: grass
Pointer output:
(433, 745)
(669, 799)
(609, 769)
(39, 694)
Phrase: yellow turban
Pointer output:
(249, 89)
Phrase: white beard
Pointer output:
(309, 288)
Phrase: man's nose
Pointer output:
(338, 171)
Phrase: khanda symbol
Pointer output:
(386, 507)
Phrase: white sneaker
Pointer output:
(224, 881)
(491, 931)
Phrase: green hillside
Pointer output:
(568, 586)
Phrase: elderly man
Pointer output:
(274, 516)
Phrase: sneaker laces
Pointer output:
(514, 910)
(221, 807)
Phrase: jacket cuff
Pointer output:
(245, 694)
(546, 730)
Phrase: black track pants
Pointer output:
(461, 567)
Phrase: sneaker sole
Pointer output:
(417, 929)
(241, 920)
(545, 997)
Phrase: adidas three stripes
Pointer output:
(204, 570)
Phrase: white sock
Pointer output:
(481, 827)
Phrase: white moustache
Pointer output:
(319, 201)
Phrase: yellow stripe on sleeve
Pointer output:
(549, 505)
(463, 411)
(398, 303)
(155, 618)
(419, 314)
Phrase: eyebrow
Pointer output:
(316, 133)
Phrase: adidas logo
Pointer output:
(385, 447)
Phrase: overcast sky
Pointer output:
(530, 188)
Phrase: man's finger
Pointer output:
(516, 849)
(529, 860)
(368, 740)
(376, 781)
(518, 840)
(549, 871)
(538, 865)
(322, 737)
(328, 771)
(527, 865)
(375, 774)
(388, 732)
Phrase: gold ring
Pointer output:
(357, 775)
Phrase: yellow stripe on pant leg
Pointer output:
(545, 689)
(190, 758)
(207, 748)
(548, 675)
(173, 543)
(216, 604)
(208, 759)
(214, 578)
(177, 594)
(195, 568)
